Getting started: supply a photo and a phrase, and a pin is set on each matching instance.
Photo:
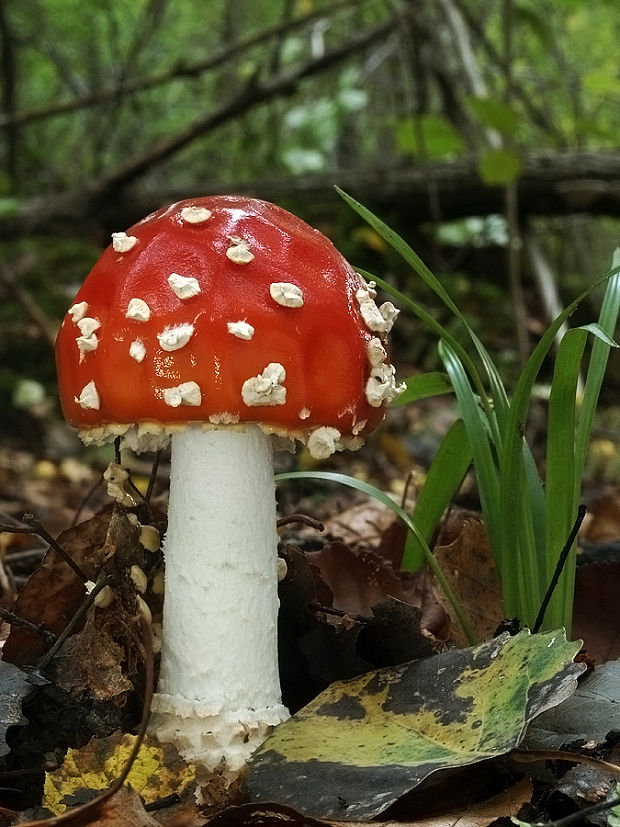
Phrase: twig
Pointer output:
(36, 629)
(330, 610)
(152, 478)
(251, 95)
(581, 513)
(33, 523)
(304, 519)
(46, 659)
(177, 71)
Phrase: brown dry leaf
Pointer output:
(123, 809)
(363, 524)
(595, 612)
(468, 565)
(361, 580)
(503, 805)
(603, 519)
(92, 660)
(53, 594)
(263, 814)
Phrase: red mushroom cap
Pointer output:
(224, 309)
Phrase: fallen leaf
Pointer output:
(92, 660)
(157, 772)
(265, 815)
(468, 565)
(394, 634)
(361, 744)
(602, 522)
(53, 594)
(595, 610)
(503, 805)
(359, 580)
(14, 687)
(589, 715)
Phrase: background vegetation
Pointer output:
(485, 131)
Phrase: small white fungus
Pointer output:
(286, 294)
(123, 243)
(87, 344)
(376, 352)
(137, 350)
(89, 397)
(224, 418)
(173, 338)
(323, 442)
(87, 325)
(266, 388)
(187, 393)
(78, 311)
(390, 314)
(370, 312)
(381, 387)
(242, 330)
(185, 287)
(138, 310)
(239, 250)
(195, 215)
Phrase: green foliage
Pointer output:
(498, 167)
(528, 521)
(495, 114)
(428, 137)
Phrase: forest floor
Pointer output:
(358, 610)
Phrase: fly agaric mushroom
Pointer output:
(215, 324)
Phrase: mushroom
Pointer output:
(227, 321)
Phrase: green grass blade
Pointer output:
(422, 386)
(608, 318)
(560, 473)
(382, 497)
(512, 471)
(399, 244)
(442, 482)
(480, 443)
(444, 334)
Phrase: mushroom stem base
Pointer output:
(210, 737)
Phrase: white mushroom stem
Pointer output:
(219, 690)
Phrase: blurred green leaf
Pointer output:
(498, 167)
(428, 136)
(495, 114)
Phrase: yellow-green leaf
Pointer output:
(363, 743)
(158, 771)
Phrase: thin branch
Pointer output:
(35, 527)
(253, 94)
(34, 628)
(559, 568)
(88, 601)
(178, 71)
(152, 478)
(302, 519)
